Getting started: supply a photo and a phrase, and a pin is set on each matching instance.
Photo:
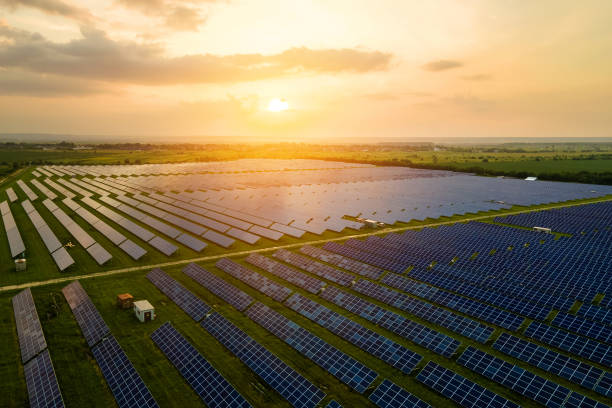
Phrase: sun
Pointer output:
(278, 105)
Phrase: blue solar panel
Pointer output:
(379, 346)
(254, 279)
(584, 327)
(190, 303)
(87, 316)
(536, 388)
(206, 381)
(599, 314)
(285, 380)
(349, 264)
(572, 343)
(285, 272)
(548, 360)
(461, 390)
(317, 268)
(333, 404)
(452, 321)
(390, 395)
(43, 390)
(126, 385)
(29, 331)
(218, 286)
(344, 367)
(421, 335)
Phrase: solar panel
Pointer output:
(536, 388)
(100, 254)
(11, 194)
(461, 390)
(253, 279)
(550, 361)
(317, 268)
(132, 249)
(13, 236)
(587, 328)
(285, 229)
(349, 264)
(190, 303)
(87, 316)
(206, 381)
(218, 239)
(285, 272)
(218, 286)
(43, 389)
(345, 368)
(265, 232)
(29, 331)
(296, 389)
(370, 341)
(191, 242)
(62, 258)
(333, 404)
(27, 190)
(126, 385)
(390, 395)
(163, 246)
(243, 235)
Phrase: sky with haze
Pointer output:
(346, 68)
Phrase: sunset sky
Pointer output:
(440, 68)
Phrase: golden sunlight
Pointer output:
(278, 105)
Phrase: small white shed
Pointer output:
(144, 311)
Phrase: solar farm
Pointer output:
(303, 283)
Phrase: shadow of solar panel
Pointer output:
(419, 334)
(536, 388)
(369, 341)
(550, 361)
(342, 366)
(87, 316)
(29, 331)
(206, 381)
(296, 389)
(285, 272)
(43, 389)
(253, 279)
(190, 303)
(461, 390)
(390, 395)
(126, 385)
(226, 291)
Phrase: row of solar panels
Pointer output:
(13, 236)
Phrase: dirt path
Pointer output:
(268, 249)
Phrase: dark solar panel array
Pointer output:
(419, 334)
(29, 331)
(461, 390)
(333, 404)
(218, 286)
(345, 368)
(369, 341)
(206, 381)
(391, 395)
(317, 268)
(572, 343)
(577, 324)
(596, 313)
(43, 389)
(548, 360)
(529, 385)
(87, 316)
(296, 389)
(190, 303)
(126, 385)
(452, 321)
(254, 279)
(285, 272)
(470, 307)
(365, 257)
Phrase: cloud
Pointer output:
(97, 57)
(477, 77)
(442, 65)
(54, 7)
(184, 19)
(27, 84)
(177, 15)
